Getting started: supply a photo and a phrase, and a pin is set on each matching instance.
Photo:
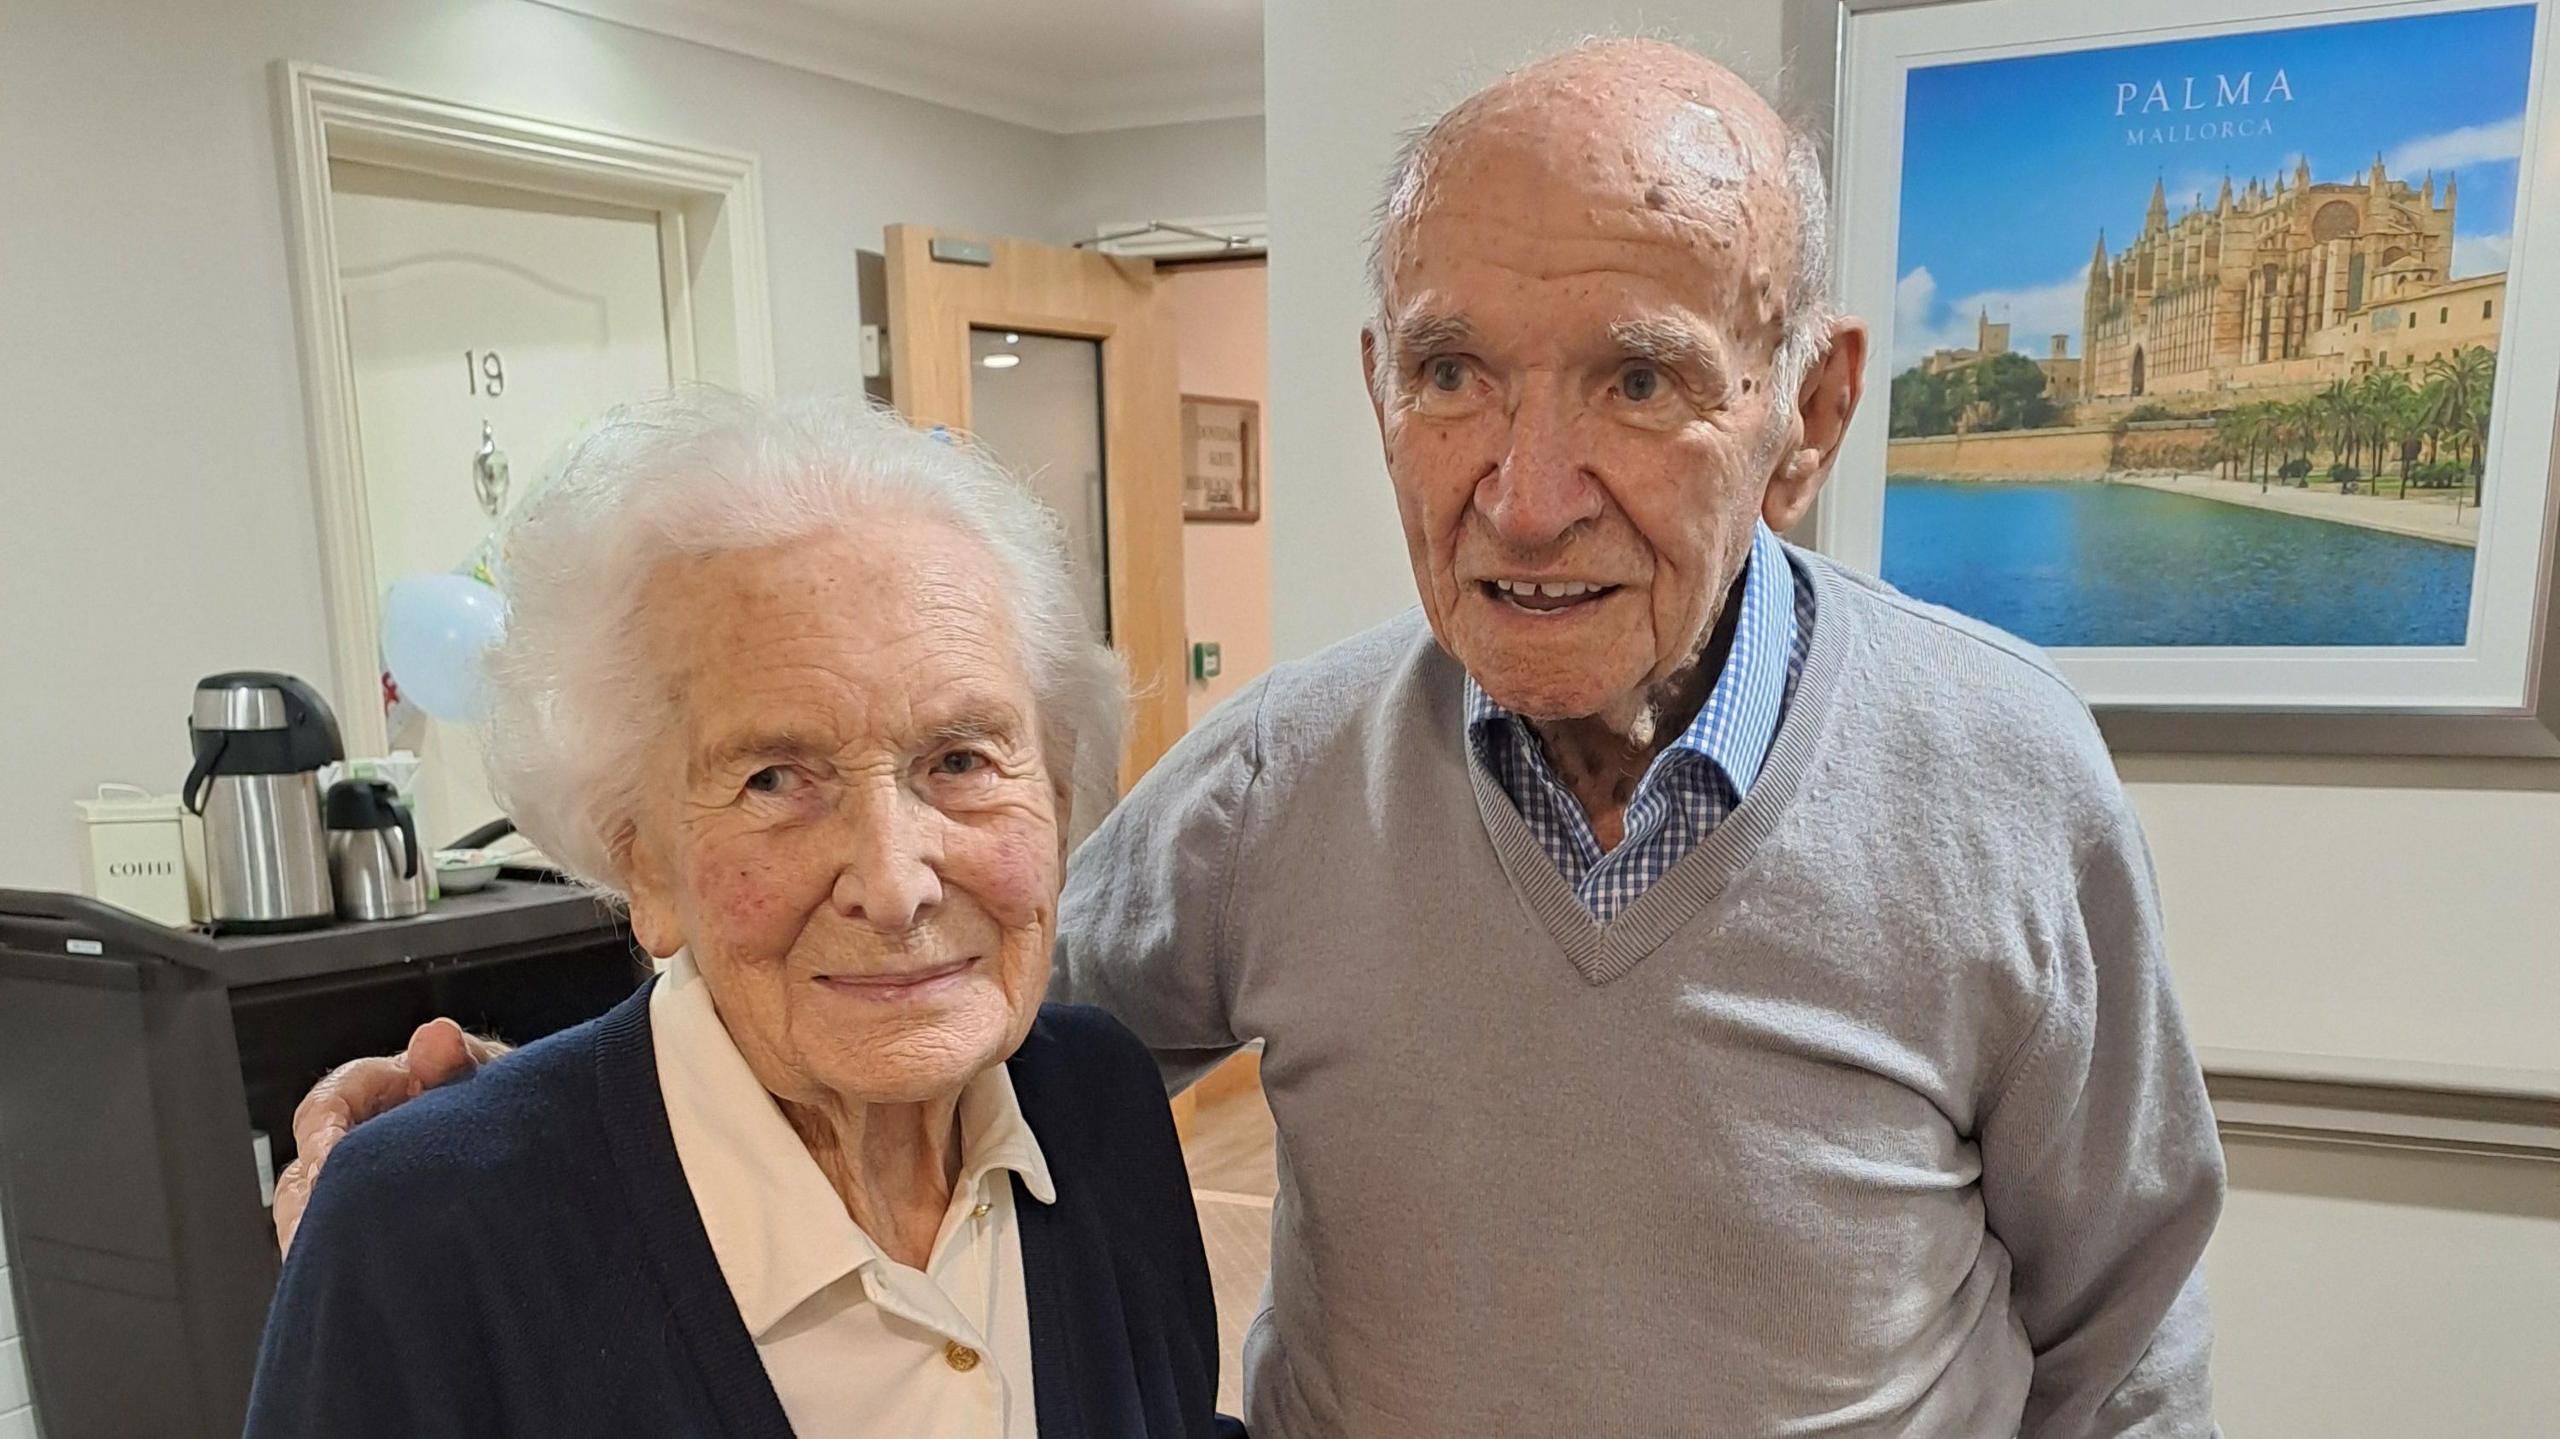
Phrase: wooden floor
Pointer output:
(1229, 1151)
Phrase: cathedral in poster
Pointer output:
(2291, 284)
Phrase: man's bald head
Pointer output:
(1636, 124)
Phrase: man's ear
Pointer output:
(1369, 375)
(1824, 402)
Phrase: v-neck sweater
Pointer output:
(519, 1255)
(1873, 1115)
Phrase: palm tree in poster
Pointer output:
(2227, 449)
(2372, 424)
(2432, 408)
(2335, 408)
(2263, 439)
(2392, 403)
(2243, 430)
(2482, 363)
(2300, 424)
(2462, 382)
(2372, 419)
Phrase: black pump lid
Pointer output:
(363, 804)
(307, 740)
(373, 804)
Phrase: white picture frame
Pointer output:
(2498, 692)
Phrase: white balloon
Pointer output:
(435, 628)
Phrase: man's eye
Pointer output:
(1640, 383)
(1448, 376)
(773, 779)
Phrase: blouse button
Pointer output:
(960, 1356)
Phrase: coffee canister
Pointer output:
(137, 852)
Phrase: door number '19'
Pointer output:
(484, 373)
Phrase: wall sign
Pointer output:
(1221, 459)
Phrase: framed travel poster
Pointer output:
(2216, 350)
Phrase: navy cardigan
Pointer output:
(520, 1255)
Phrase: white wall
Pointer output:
(2401, 911)
(156, 517)
(1159, 172)
(1343, 79)
(2394, 910)
(2381, 1294)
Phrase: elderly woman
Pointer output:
(810, 692)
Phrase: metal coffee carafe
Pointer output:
(374, 862)
(260, 742)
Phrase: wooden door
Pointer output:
(1062, 362)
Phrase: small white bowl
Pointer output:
(460, 871)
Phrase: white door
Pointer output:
(471, 305)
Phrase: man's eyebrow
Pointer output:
(1428, 332)
(1665, 342)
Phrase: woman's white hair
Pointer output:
(575, 704)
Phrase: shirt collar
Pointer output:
(1738, 722)
(775, 1224)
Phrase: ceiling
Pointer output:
(1058, 65)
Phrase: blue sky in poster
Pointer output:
(2010, 167)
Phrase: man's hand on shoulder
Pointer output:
(360, 1089)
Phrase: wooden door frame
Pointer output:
(711, 246)
(1076, 294)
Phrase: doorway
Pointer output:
(484, 326)
(1038, 398)
(456, 267)
(1061, 362)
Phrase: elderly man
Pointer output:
(1703, 991)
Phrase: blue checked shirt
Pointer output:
(1696, 780)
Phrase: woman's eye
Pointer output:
(960, 762)
(773, 779)
(1448, 376)
(1640, 383)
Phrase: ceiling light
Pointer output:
(1011, 339)
(1000, 362)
